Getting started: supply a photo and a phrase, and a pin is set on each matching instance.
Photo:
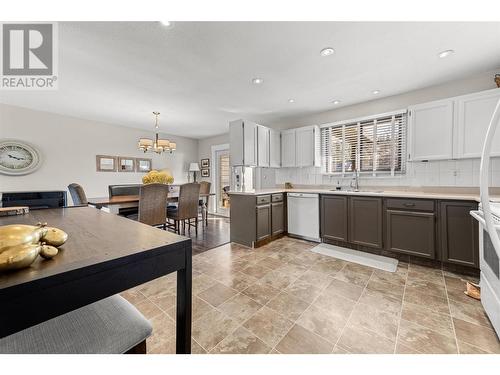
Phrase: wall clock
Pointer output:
(18, 157)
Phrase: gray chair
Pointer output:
(77, 194)
(187, 209)
(152, 204)
(108, 326)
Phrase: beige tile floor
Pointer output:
(282, 298)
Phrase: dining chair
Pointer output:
(77, 194)
(203, 202)
(152, 204)
(109, 326)
(187, 209)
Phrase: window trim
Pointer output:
(357, 121)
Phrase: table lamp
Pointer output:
(194, 167)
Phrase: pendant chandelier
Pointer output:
(156, 145)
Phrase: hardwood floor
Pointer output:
(215, 234)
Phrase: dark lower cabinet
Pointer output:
(459, 233)
(263, 222)
(411, 233)
(334, 217)
(365, 221)
(277, 218)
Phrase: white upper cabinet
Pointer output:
(262, 146)
(274, 148)
(243, 143)
(301, 147)
(307, 146)
(474, 113)
(250, 143)
(288, 148)
(431, 131)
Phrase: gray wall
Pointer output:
(69, 146)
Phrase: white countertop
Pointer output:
(374, 192)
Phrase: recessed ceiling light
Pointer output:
(257, 81)
(335, 102)
(376, 92)
(446, 53)
(327, 51)
(291, 100)
(166, 23)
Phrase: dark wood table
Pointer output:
(105, 254)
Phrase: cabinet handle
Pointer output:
(409, 204)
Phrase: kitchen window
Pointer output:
(374, 145)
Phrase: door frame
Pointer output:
(215, 176)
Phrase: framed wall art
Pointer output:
(105, 163)
(126, 164)
(205, 163)
(143, 165)
(205, 172)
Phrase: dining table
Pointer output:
(117, 202)
(104, 255)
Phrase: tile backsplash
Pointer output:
(461, 173)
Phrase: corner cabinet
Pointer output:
(243, 143)
(474, 113)
(459, 233)
(256, 220)
(431, 131)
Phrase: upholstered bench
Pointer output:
(109, 326)
(127, 189)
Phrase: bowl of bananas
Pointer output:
(21, 244)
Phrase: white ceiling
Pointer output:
(198, 74)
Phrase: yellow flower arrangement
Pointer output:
(158, 177)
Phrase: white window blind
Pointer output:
(376, 145)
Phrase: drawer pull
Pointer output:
(409, 204)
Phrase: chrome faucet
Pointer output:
(355, 179)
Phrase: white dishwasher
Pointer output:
(303, 215)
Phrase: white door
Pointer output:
(274, 148)
(288, 148)
(262, 146)
(221, 179)
(431, 131)
(473, 117)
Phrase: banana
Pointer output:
(19, 234)
(54, 237)
(19, 256)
